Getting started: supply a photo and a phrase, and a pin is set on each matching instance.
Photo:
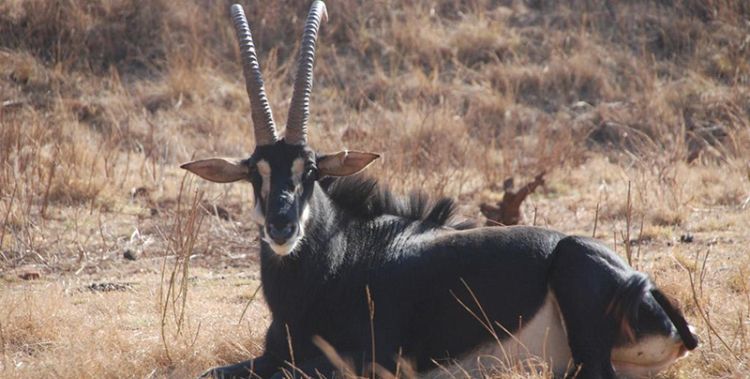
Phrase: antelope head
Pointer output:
(282, 171)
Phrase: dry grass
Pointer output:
(100, 102)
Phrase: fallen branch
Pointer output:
(508, 210)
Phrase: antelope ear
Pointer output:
(344, 163)
(218, 170)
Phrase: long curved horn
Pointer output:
(299, 109)
(265, 128)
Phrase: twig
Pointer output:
(101, 231)
(163, 323)
(48, 186)
(195, 338)
(371, 308)
(5, 220)
(640, 239)
(702, 312)
(247, 305)
(614, 240)
(596, 217)
(2, 347)
(181, 247)
(289, 344)
(628, 219)
(334, 357)
(486, 322)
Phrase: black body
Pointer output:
(419, 268)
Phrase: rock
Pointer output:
(29, 272)
(30, 275)
(130, 255)
(216, 210)
(108, 287)
(581, 106)
(686, 238)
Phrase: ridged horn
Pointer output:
(299, 109)
(265, 128)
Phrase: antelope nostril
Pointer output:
(281, 232)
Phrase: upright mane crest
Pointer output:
(363, 197)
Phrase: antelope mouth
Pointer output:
(284, 248)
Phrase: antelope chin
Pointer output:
(648, 359)
(638, 370)
(292, 243)
(286, 248)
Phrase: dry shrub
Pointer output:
(670, 39)
(376, 89)
(487, 116)
(94, 35)
(557, 84)
(423, 38)
(483, 41)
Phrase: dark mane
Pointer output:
(363, 197)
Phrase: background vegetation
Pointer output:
(637, 110)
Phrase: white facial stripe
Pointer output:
(298, 167)
(257, 214)
(264, 169)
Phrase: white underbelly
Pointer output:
(540, 345)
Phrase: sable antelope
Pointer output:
(378, 277)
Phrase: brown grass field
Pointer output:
(100, 101)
